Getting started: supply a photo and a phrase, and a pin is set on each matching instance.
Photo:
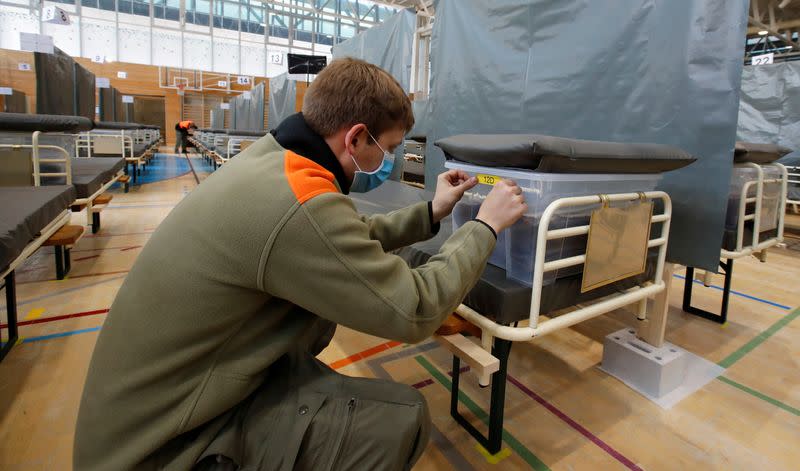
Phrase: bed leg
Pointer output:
(59, 262)
(720, 318)
(11, 307)
(494, 441)
(67, 261)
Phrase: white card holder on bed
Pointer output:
(108, 144)
(17, 168)
(617, 244)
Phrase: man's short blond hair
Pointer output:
(350, 91)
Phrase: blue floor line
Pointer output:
(737, 293)
(58, 335)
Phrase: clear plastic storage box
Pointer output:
(770, 198)
(540, 189)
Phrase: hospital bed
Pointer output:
(31, 214)
(91, 177)
(116, 140)
(793, 190)
(414, 168)
(754, 220)
(540, 270)
(203, 140)
(227, 146)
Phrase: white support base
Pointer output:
(665, 375)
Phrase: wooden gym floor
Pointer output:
(562, 412)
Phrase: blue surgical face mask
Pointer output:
(366, 181)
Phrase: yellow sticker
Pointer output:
(488, 179)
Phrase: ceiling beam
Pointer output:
(773, 32)
(780, 25)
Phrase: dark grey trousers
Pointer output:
(308, 417)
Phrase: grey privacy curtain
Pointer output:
(667, 72)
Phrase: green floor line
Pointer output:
(515, 444)
(749, 346)
(759, 395)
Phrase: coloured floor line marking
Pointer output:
(532, 460)
(362, 355)
(490, 458)
(738, 293)
(728, 361)
(64, 291)
(760, 395)
(35, 313)
(57, 318)
(58, 335)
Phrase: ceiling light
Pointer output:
(763, 32)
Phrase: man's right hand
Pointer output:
(503, 206)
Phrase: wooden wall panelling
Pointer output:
(141, 81)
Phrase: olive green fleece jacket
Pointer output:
(255, 262)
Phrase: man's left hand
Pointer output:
(450, 187)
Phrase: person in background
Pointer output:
(182, 131)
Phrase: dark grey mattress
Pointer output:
(758, 153)
(561, 155)
(88, 175)
(116, 125)
(494, 295)
(729, 238)
(246, 133)
(138, 150)
(43, 122)
(25, 212)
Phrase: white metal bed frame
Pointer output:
(7, 275)
(756, 247)
(793, 174)
(491, 358)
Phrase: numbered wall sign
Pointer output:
(36, 43)
(127, 99)
(24, 66)
(6, 91)
(57, 16)
(122, 75)
(243, 80)
(276, 58)
(102, 82)
(222, 83)
(225, 106)
(98, 59)
(764, 59)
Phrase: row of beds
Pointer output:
(217, 146)
(50, 166)
(500, 310)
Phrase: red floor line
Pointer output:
(130, 248)
(58, 318)
(117, 235)
(575, 425)
(85, 258)
(72, 277)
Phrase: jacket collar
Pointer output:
(294, 134)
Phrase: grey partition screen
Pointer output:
(106, 104)
(769, 109)
(247, 112)
(217, 118)
(119, 107)
(85, 92)
(55, 83)
(665, 72)
(388, 45)
(282, 99)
